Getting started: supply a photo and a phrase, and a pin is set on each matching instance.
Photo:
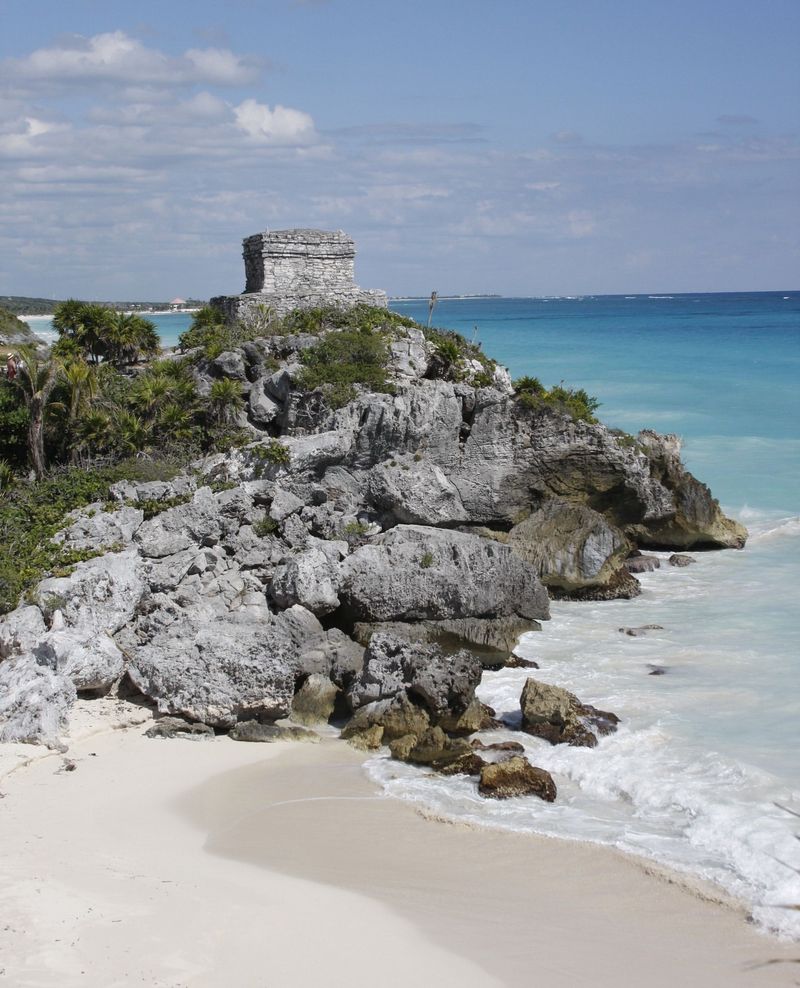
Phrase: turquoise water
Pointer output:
(704, 752)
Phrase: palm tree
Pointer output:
(82, 387)
(130, 337)
(36, 379)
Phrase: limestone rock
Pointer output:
(415, 573)
(96, 529)
(218, 672)
(516, 777)
(679, 559)
(572, 547)
(21, 630)
(100, 595)
(91, 662)
(397, 716)
(34, 702)
(443, 684)
(370, 739)
(642, 564)
(558, 716)
(307, 578)
(314, 702)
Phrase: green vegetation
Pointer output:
(96, 332)
(31, 514)
(574, 402)
(265, 526)
(353, 531)
(153, 506)
(451, 351)
(427, 560)
(343, 359)
(13, 330)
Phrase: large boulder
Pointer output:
(99, 596)
(575, 550)
(559, 717)
(444, 684)
(310, 578)
(34, 702)
(397, 716)
(516, 777)
(21, 630)
(90, 662)
(414, 573)
(96, 529)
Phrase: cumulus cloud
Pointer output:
(116, 57)
(281, 126)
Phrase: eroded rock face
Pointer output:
(34, 702)
(559, 717)
(574, 549)
(443, 684)
(417, 573)
(315, 701)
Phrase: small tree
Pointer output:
(224, 401)
(36, 379)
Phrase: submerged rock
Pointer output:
(678, 559)
(642, 564)
(516, 777)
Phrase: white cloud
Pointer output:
(21, 137)
(117, 57)
(281, 127)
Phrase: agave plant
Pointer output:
(224, 401)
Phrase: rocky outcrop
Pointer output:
(575, 550)
(417, 573)
(425, 522)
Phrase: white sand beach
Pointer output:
(209, 863)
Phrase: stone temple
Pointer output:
(297, 269)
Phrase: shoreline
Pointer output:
(154, 830)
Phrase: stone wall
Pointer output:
(290, 269)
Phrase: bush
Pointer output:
(574, 402)
(427, 560)
(31, 514)
(343, 359)
(265, 526)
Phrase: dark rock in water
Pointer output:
(642, 564)
(436, 749)
(515, 746)
(314, 702)
(515, 662)
(251, 730)
(466, 764)
(657, 670)
(559, 717)
(400, 747)
(176, 727)
(679, 559)
(642, 630)
(516, 777)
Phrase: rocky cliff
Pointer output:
(434, 514)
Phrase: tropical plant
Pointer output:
(128, 338)
(36, 378)
(84, 325)
(224, 401)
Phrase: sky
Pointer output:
(517, 147)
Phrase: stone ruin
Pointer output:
(297, 269)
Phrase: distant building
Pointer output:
(297, 269)
(176, 303)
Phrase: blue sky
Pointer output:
(519, 147)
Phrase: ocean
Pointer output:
(707, 754)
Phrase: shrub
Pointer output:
(31, 514)
(427, 560)
(343, 359)
(355, 530)
(574, 402)
(272, 452)
(265, 526)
